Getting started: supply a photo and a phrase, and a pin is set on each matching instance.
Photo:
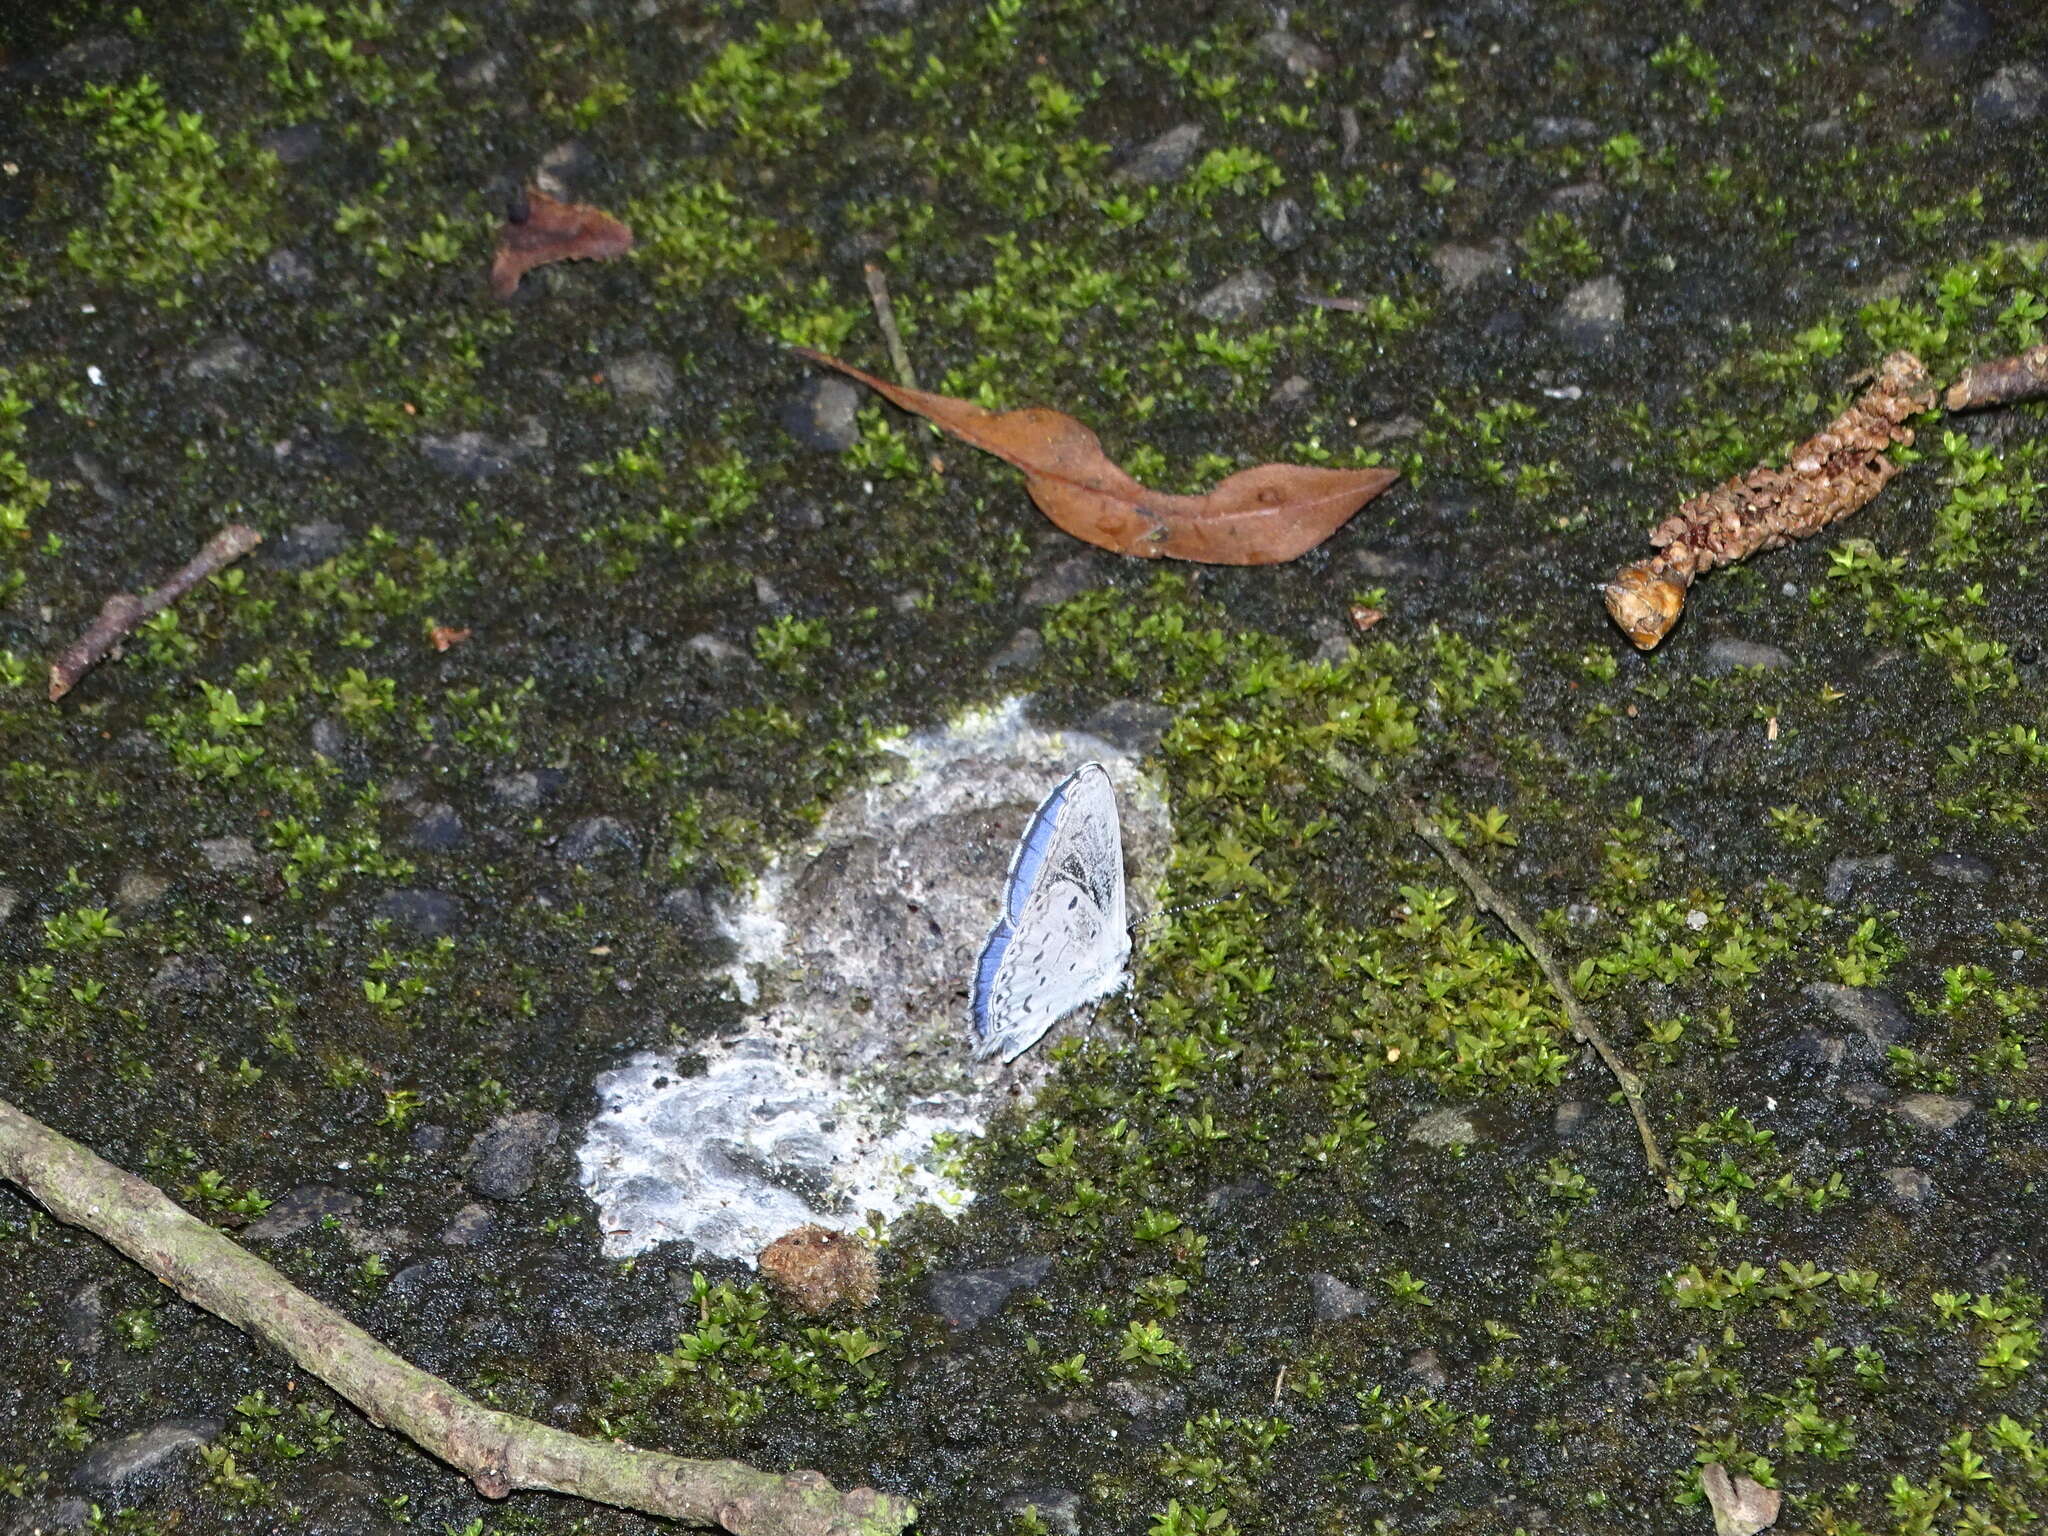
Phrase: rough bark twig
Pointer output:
(2002, 381)
(1360, 777)
(120, 614)
(499, 1452)
(1828, 477)
(885, 317)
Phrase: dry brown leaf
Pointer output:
(553, 231)
(443, 636)
(1259, 516)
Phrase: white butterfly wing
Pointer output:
(1063, 954)
(1063, 940)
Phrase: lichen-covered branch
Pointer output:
(1827, 477)
(1361, 777)
(121, 613)
(499, 1452)
(2002, 381)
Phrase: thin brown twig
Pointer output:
(498, 1452)
(120, 614)
(2002, 381)
(885, 317)
(1493, 901)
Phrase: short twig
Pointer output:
(2002, 381)
(1491, 900)
(120, 614)
(498, 1452)
(885, 317)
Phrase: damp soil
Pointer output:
(329, 929)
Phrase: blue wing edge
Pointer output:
(1024, 866)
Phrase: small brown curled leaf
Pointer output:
(1260, 516)
(553, 231)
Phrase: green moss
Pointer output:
(174, 206)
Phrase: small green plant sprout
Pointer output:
(1179, 1519)
(1152, 1226)
(80, 928)
(1407, 1289)
(1146, 1343)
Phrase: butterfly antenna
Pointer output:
(1186, 906)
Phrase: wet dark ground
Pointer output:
(295, 907)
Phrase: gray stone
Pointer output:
(1908, 1187)
(686, 907)
(558, 170)
(1069, 579)
(1136, 725)
(84, 1319)
(114, 1464)
(1239, 296)
(437, 829)
(599, 837)
(1291, 393)
(1459, 267)
(964, 1298)
(504, 1160)
(1284, 224)
(140, 890)
(1297, 55)
(468, 1226)
(100, 477)
(295, 143)
(11, 902)
(1876, 1015)
(1726, 654)
(1402, 80)
(2013, 97)
(290, 272)
(226, 855)
(525, 790)
(716, 648)
(643, 379)
(47, 1517)
(329, 738)
(1164, 159)
(1951, 33)
(476, 71)
(302, 1208)
(426, 914)
(224, 357)
(96, 56)
(1058, 1509)
(1142, 1401)
(1549, 132)
(305, 546)
(1336, 1302)
(1934, 1111)
(1962, 868)
(1593, 313)
(469, 455)
(1026, 646)
(1427, 1367)
(1445, 1128)
(1849, 875)
(189, 975)
(823, 415)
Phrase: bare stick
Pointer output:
(498, 1452)
(2002, 381)
(120, 614)
(885, 317)
(1361, 777)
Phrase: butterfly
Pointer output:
(1062, 940)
